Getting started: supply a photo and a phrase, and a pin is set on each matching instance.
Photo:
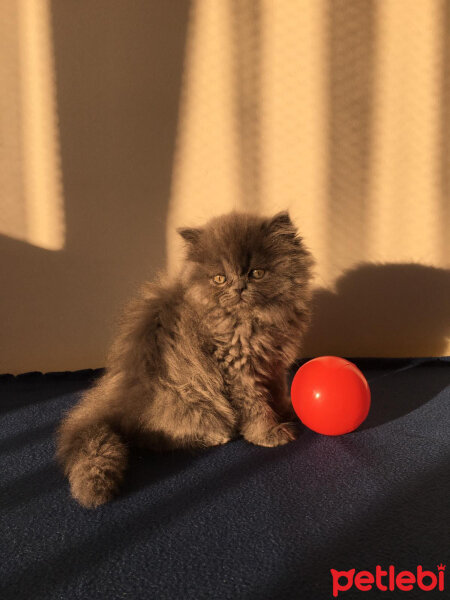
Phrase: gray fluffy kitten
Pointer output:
(199, 359)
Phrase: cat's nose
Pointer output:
(241, 285)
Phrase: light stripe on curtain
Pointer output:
(338, 110)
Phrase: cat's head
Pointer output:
(243, 262)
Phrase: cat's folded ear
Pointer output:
(190, 234)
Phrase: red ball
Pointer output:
(330, 395)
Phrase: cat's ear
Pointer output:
(281, 221)
(190, 234)
(281, 227)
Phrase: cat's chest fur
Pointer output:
(233, 346)
(240, 346)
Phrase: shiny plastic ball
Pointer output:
(330, 395)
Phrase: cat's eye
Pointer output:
(257, 273)
(219, 279)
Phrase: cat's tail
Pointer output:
(93, 456)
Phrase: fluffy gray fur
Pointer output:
(200, 358)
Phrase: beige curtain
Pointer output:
(339, 111)
(120, 121)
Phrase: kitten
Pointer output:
(199, 359)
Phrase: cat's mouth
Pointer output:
(237, 300)
(243, 296)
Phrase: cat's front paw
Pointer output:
(277, 435)
(216, 439)
(215, 430)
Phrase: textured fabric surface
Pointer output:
(236, 521)
(336, 109)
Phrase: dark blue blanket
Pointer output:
(238, 521)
